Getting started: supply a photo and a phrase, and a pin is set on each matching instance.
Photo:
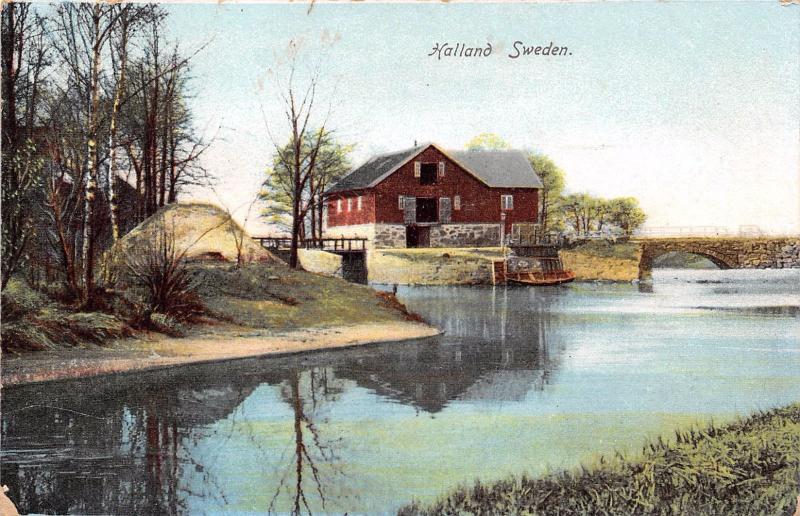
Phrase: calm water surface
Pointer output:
(524, 380)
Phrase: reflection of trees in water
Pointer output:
(314, 464)
(122, 450)
(140, 444)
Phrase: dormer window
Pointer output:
(428, 173)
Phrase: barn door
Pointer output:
(444, 209)
(409, 210)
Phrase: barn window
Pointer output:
(401, 202)
(457, 202)
(428, 174)
(441, 169)
(358, 204)
(417, 168)
(507, 202)
(349, 204)
(338, 206)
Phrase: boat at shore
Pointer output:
(533, 271)
(539, 278)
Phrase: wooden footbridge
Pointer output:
(332, 245)
(352, 250)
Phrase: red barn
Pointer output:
(428, 197)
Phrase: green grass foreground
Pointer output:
(747, 467)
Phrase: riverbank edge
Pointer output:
(746, 466)
(161, 352)
(432, 266)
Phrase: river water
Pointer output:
(525, 380)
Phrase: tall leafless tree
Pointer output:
(24, 60)
(299, 156)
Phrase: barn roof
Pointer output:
(498, 169)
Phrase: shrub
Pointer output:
(160, 271)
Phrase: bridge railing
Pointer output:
(683, 231)
(341, 244)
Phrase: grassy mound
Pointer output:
(277, 297)
(205, 231)
(747, 467)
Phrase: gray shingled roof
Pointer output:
(374, 169)
(503, 169)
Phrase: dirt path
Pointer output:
(222, 344)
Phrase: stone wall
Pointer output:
(465, 235)
(389, 236)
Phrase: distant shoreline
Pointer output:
(160, 352)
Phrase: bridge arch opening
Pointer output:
(654, 256)
(686, 260)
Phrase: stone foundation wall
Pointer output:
(389, 236)
(465, 235)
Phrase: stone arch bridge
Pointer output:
(725, 253)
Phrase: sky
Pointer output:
(693, 108)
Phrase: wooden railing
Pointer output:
(341, 244)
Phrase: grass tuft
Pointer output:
(747, 467)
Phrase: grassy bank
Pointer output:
(277, 297)
(746, 467)
(603, 260)
(35, 321)
(257, 295)
(433, 265)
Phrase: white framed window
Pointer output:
(349, 204)
(441, 169)
(417, 168)
(401, 202)
(358, 203)
(457, 202)
(338, 206)
(506, 202)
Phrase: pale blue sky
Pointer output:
(692, 107)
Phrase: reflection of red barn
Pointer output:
(425, 196)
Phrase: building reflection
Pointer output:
(132, 444)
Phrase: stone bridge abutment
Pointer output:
(725, 253)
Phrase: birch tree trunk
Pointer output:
(90, 193)
(112, 138)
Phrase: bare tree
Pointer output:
(24, 59)
(299, 157)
